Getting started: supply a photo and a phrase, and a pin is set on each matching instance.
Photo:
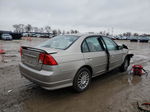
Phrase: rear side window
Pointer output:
(60, 42)
(91, 44)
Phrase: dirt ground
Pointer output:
(111, 92)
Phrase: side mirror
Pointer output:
(124, 46)
(119, 47)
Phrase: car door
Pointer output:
(94, 55)
(115, 54)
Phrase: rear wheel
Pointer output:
(125, 65)
(82, 80)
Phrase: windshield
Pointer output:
(60, 42)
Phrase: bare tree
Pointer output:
(41, 30)
(36, 29)
(48, 29)
(135, 34)
(21, 27)
(107, 34)
(16, 27)
(54, 32)
(127, 34)
(101, 32)
(58, 32)
(28, 28)
(71, 31)
(68, 32)
(76, 31)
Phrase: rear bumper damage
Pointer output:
(46, 79)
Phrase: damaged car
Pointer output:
(72, 60)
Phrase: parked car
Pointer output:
(124, 38)
(117, 38)
(133, 39)
(33, 35)
(6, 36)
(72, 60)
(113, 37)
(16, 36)
(143, 39)
(128, 37)
(25, 34)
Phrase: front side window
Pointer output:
(93, 44)
(111, 45)
(60, 42)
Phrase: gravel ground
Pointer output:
(111, 92)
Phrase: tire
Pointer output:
(82, 80)
(125, 65)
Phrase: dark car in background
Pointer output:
(133, 39)
(143, 39)
(16, 36)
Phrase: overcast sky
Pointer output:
(84, 15)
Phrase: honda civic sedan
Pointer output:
(72, 60)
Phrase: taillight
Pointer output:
(47, 59)
(20, 51)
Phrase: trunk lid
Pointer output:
(30, 56)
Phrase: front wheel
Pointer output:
(82, 80)
(125, 65)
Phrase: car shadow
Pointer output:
(102, 88)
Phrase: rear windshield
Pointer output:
(60, 42)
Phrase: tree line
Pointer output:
(20, 28)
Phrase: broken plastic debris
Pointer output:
(9, 91)
(2, 51)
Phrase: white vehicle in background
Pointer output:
(6, 36)
(124, 38)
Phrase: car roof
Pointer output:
(83, 35)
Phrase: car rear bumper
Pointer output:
(46, 79)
